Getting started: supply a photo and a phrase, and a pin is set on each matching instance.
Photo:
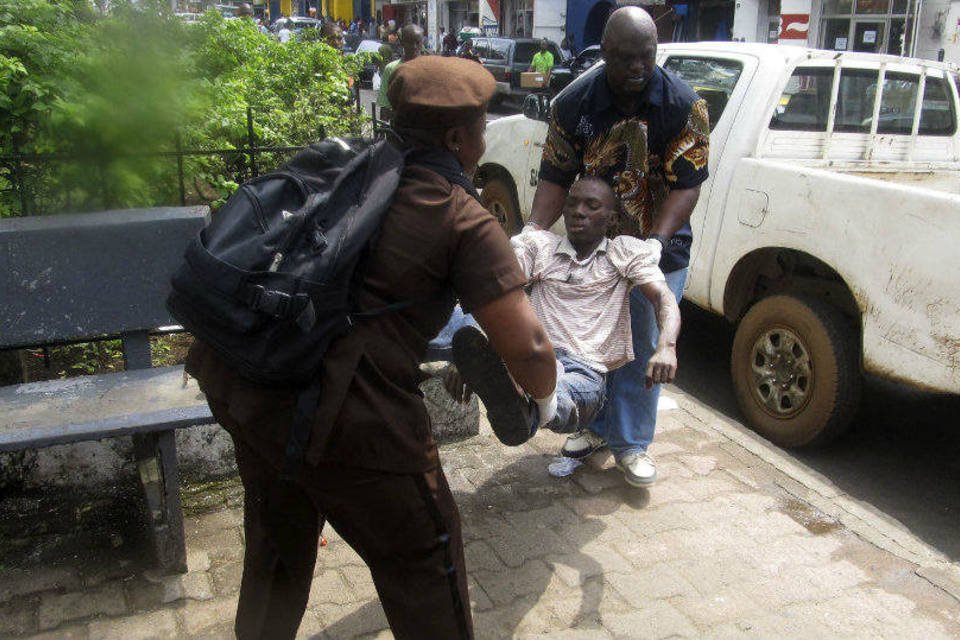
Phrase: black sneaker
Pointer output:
(483, 371)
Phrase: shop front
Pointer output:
(516, 18)
(407, 12)
(874, 26)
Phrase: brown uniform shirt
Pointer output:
(437, 244)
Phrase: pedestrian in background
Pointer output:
(542, 60)
(333, 35)
(449, 43)
(411, 39)
(468, 52)
(646, 132)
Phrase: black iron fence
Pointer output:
(28, 176)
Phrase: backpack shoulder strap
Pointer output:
(445, 164)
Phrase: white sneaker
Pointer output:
(638, 469)
(581, 444)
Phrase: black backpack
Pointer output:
(269, 283)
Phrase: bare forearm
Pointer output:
(668, 320)
(662, 365)
(547, 204)
(666, 310)
(675, 211)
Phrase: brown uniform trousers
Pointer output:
(406, 527)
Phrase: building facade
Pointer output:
(920, 28)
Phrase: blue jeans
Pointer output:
(628, 419)
(440, 348)
(581, 389)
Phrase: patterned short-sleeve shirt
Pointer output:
(643, 156)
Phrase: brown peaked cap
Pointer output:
(435, 92)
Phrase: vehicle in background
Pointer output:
(189, 18)
(563, 74)
(296, 25)
(826, 232)
(507, 58)
(226, 10)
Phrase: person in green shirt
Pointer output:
(411, 39)
(542, 60)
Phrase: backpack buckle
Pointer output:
(271, 302)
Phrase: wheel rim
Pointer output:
(782, 374)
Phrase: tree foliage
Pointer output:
(113, 88)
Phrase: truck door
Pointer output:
(721, 80)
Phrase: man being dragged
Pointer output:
(579, 288)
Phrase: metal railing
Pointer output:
(25, 171)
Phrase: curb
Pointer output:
(859, 517)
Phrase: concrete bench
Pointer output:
(82, 277)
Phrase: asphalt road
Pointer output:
(902, 454)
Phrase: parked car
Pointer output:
(507, 58)
(189, 18)
(564, 73)
(826, 232)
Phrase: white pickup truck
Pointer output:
(829, 230)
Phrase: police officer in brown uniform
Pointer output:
(372, 468)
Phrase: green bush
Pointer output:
(113, 89)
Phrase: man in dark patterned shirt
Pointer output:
(646, 132)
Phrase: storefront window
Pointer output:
(873, 6)
(875, 26)
(837, 7)
(835, 34)
(895, 44)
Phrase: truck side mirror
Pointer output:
(536, 106)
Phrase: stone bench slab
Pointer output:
(40, 414)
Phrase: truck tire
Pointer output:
(795, 368)
(499, 198)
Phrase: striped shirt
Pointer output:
(584, 304)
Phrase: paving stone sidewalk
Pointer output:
(735, 541)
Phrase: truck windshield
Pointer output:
(712, 78)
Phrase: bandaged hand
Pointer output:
(547, 408)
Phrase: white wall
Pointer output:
(746, 19)
(929, 42)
